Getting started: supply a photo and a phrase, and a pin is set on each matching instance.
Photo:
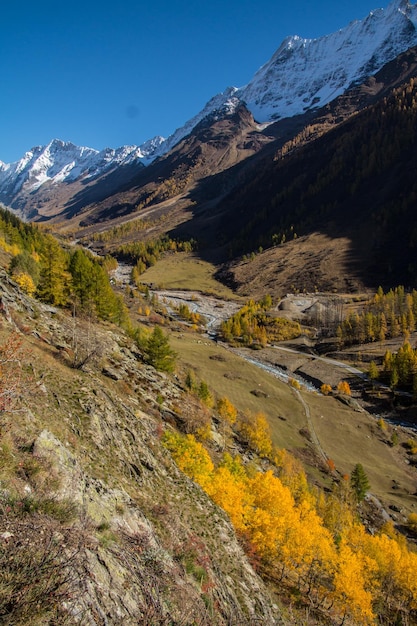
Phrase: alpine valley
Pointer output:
(264, 159)
(208, 356)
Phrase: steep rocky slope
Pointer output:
(97, 525)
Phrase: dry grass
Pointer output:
(314, 262)
(186, 271)
(230, 376)
(349, 437)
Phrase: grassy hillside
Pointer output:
(186, 271)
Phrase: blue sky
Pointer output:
(103, 74)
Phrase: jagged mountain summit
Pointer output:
(306, 74)
(309, 73)
(61, 161)
(302, 75)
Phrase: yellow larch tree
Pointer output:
(256, 429)
(272, 516)
(231, 493)
(291, 473)
(353, 584)
(191, 457)
(227, 410)
(309, 552)
(25, 282)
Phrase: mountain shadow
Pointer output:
(353, 180)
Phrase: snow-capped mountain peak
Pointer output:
(308, 73)
(61, 161)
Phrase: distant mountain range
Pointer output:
(221, 177)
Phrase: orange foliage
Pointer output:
(325, 389)
(331, 465)
(344, 387)
(316, 543)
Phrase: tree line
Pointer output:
(305, 538)
(387, 315)
(252, 325)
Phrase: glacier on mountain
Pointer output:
(308, 73)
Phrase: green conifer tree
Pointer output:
(359, 482)
(54, 279)
(158, 352)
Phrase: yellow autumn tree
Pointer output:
(25, 282)
(272, 515)
(291, 473)
(231, 493)
(336, 509)
(309, 552)
(325, 389)
(344, 387)
(397, 566)
(389, 557)
(190, 456)
(353, 584)
(256, 430)
(227, 410)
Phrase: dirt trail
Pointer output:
(313, 433)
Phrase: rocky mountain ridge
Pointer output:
(301, 76)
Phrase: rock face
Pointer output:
(132, 571)
(130, 539)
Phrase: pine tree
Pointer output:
(159, 354)
(359, 482)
